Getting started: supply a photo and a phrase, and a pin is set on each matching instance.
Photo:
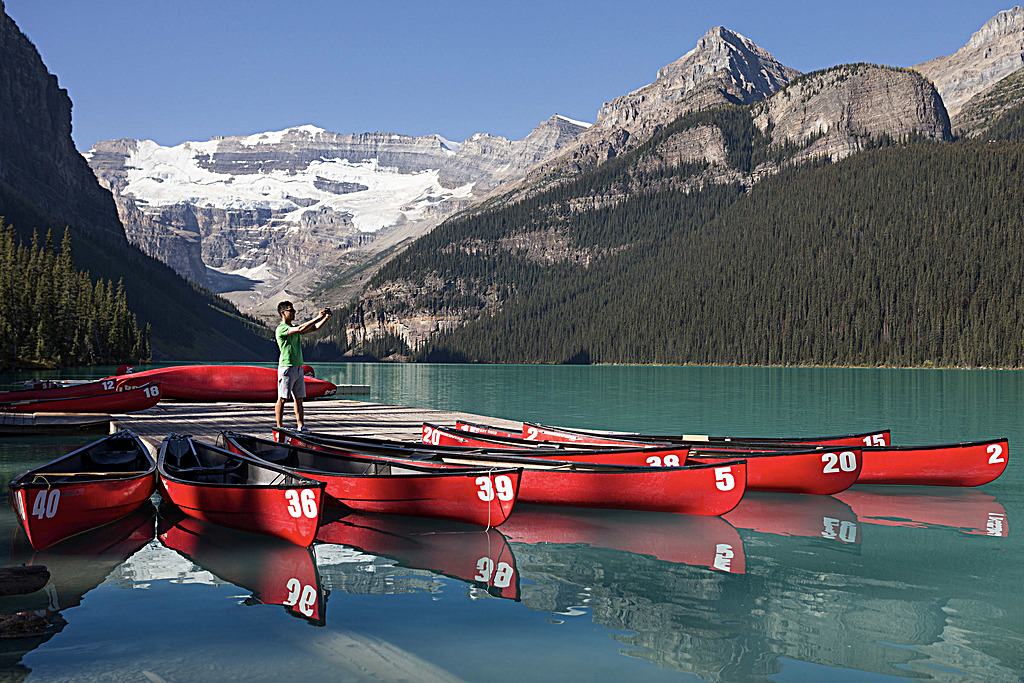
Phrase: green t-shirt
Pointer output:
(291, 346)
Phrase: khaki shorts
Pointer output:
(290, 382)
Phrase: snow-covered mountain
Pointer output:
(262, 217)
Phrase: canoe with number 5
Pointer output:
(87, 488)
(144, 396)
(636, 454)
(238, 491)
(700, 490)
(475, 495)
(971, 463)
(538, 432)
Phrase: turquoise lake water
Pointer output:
(874, 584)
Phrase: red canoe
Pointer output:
(786, 514)
(537, 432)
(398, 486)
(145, 395)
(697, 541)
(699, 490)
(57, 389)
(821, 472)
(962, 464)
(477, 556)
(650, 455)
(243, 383)
(237, 491)
(969, 511)
(276, 571)
(92, 486)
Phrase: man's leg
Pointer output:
(279, 412)
(299, 412)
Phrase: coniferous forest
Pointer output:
(904, 254)
(53, 314)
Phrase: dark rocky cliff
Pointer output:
(38, 159)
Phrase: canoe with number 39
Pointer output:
(476, 495)
(238, 491)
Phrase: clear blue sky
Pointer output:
(176, 70)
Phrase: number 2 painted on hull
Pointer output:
(995, 454)
(300, 504)
(503, 485)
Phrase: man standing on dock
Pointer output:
(290, 381)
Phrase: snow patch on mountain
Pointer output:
(167, 176)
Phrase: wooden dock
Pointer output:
(205, 421)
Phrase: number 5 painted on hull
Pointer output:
(724, 479)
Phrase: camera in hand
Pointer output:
(327, 310)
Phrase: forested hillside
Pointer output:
(904, 254)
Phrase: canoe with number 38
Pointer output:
(476, 495)
(87, 488)
(238, 491)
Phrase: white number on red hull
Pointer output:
(846, 461)
(995, 454)
(723, 557)
(668, 461)
(45, 503)
(501, 483)
(532, 433)
(301, 597)
(301, 503)
(724, 479)
(108, 384)
(485, 568)
(431, 436)
(875, 440)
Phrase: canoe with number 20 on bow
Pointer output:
(89, 487)
(235, 490)
(476, 495)
(822, 471)
(700, 489)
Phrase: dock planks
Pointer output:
(205, 421)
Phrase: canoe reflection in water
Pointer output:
(480, 557)
(792, 514)
(77, 565)
(970, 511)
(696, 540)
(276, 571)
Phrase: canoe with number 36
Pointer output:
(87, 488)
(475, 495)
(238, 491)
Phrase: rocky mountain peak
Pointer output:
(993, 52)
(1008, 23)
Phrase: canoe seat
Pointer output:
(101, 458)
(227, 468)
